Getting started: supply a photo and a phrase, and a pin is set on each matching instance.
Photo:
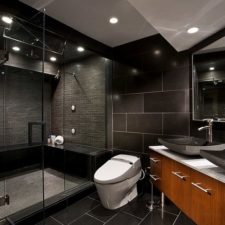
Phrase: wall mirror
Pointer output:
(209, 82)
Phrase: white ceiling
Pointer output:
(172, 18)
(91, 17)
(138, 19)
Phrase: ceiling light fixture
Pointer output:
(193, 30)
(16, 48)
(80, 49)
(7, 19)
(211, 68)
(53, 59)
(113, 20)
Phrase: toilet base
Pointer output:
(114, 196)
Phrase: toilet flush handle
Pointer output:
(142, 174)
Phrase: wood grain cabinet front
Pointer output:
(204, 194)
(156, 169)
(180, 184)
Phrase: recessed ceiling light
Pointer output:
(16, 48)
(53, 59)
(193, 30)
(7, 19)
(157, 52)
(113, 20)
(212, 68)
(80, 49)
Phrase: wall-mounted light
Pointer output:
(211, 68)
(157, 52)
(7, 19)
(16, 48)
(192, 30)
(53, 59)
(80, 49)
(113, 20)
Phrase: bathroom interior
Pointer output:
(112, 113)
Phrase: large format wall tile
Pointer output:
(144, 123)
(171, 101)
(128, 141)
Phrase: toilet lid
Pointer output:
(113, 171)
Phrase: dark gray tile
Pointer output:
(49, 221)
(102, 213)
(138, 207)
(95, 196)
(183, 220)
(144, 123)
(122, 219)
(128, 103)
(86, 220)
(150, 139)
(128, 141)
(144, 82)
(171, 101)
(157, 217)
(176, 124)
(176, 79)
(119, 122)
(75, 210)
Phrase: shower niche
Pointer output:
(41, 76)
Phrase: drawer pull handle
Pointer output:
(178, 174)
(154, 160)
(154, 177)
(197, 185)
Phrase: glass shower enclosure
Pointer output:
(48, 86)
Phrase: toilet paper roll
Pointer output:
(59, 140)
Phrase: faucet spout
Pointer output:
(208, 128)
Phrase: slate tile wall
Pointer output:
(151, 86)
(87, 91)
(23, 104)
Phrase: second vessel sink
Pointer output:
(216, 157)
(190, 145)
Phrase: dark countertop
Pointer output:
(19, 146)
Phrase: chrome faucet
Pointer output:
(208, 128)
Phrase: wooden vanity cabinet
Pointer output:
(200, 197)
(156, 169)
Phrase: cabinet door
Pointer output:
(166, 184)
(204, 192)
(155, 169)
(219, 209)
(180, 185)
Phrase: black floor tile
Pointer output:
(48, 221)
(95, 196)
(102, 213)
(123, 219)
(75, 210)
(138, 207)
(158, 217)
(86, 220)
(171, 208)
(184, 220)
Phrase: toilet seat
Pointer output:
(117, 169)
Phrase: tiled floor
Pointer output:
(88, 211)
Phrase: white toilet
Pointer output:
(116, 180)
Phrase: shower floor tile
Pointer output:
(26, 189)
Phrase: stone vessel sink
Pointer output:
(216, 157)
(190, 145)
